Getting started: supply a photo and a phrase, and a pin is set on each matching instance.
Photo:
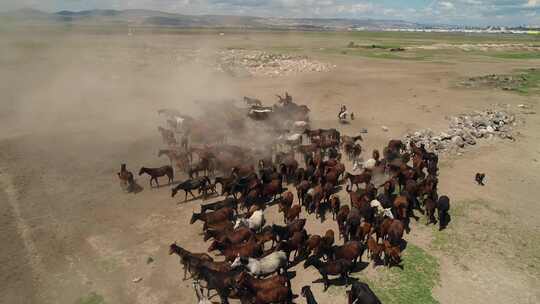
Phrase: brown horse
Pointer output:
(158, 172)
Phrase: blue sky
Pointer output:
(468, 12)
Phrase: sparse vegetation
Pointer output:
(92, 298)
(524, 82)
(469, 237)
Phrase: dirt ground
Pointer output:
(75, 106)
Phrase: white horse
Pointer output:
(269, 264)
(382, 212)
(255, 222)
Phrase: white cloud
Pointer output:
(533, 3)
(446, 5)
(361, 7)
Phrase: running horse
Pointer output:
(127, 181)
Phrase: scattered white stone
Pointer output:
(465, 129)
(384, 128)
(136, 280)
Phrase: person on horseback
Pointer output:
(342, 115)
(127, 181)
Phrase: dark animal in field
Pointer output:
(382, 230)
(222, 282)
(396, 145)
(187, 259)
(443, 205)
(363, 178)
(223, 214)
(219, 226)
(430, 205)
(392, 254)
(360, 293)
(168, 136)
(158, 172)
(479, 178)
(289, 214)
(395, 232)
(251, 248)
(226, 184)
(181, 158)
(340, 267)
(223, 266)
(306, 293)
(335, 205)
(351, 251)
(341, 218)
(205, 166)
(251, 282)
(226, 203)
(284, 232)
(287, 199)
(272, 189)
(363, 231)
(327, 241)
(301, 190)
(374, 249)
(295, 243)
(189, 185)
(312, 245)
(352, 223)
(232, 238)
(281, 294)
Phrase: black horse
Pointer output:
(191, 184)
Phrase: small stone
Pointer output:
(458, 141)
(384, 128)
(136, 280)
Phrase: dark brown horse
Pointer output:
(158, 172)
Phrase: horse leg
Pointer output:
(326, 282)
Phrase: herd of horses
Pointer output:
(257, 256)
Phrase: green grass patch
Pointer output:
(525, 82)
(92, 298)
(531, 83)
(376, 53)
(515, 55)
(411, 285)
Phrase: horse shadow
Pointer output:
(361, 265)
(340, 281)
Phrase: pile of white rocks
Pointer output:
(259, 63)
(466, 130)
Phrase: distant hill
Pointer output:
(136, 17)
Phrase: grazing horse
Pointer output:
(168, 136)
(361, 293)
(189, 185)
(365, 177)
(340, 267)
(158, 172)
